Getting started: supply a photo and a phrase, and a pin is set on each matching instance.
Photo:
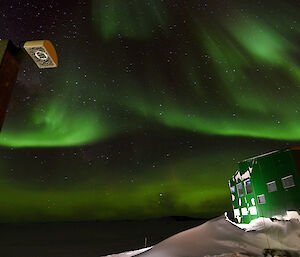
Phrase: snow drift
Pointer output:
(220, 237)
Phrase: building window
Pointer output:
(232, 189)
(244, 211)
(236, 212)
(261, 199)
(248, 186)
(253, 210)
(272, 186)
(288, 181)
(240, 189)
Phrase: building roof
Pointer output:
(269, 153)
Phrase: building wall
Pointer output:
(260, 171)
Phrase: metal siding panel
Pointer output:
(246, 199)
(294, 192)
(267, 168)
(285, 167)
(296, 158)
(255, 176)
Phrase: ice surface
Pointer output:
(219, 237)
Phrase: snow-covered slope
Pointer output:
(219, 237)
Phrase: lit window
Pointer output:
(240, 189)
(236, 212)
(244, 211)
(253, 210)
(232, 189)
(288, 181)
(261, 199)
(248, 187)
(272, 186)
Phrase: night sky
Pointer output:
(153, 104)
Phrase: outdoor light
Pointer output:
(42, 52)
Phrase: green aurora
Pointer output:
(150, 109)
(161, 191)
(253, 66)
(135, 19)
(54, 126)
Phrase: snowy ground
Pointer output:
(220, 237)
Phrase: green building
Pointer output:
(268, 186)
